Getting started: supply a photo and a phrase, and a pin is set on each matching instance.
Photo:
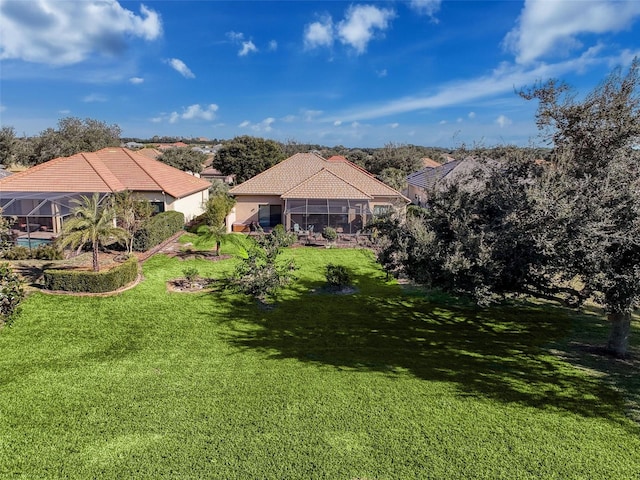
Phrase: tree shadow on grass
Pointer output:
(497, 353)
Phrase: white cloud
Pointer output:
(554, 27)
(503, 121)
(425, 7)
(3, 108)
(337, 123)
(319, 34)
(192, 112)
(136, 80)
(197, 112)
(273, 46)
(442, 122)
(180, 67)
(500, 81)
(361, 23)
(263, 126)
(394, 125)
(247, 48)
(382, 73)
(472, 115)
(311, 115)
(64, 33)
(235, 36)
(94, 98)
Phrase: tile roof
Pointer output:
(107, 170)
(428, 177)
(428, 162)
(308, 175)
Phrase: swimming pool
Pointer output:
(35, 242)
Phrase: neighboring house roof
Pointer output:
(152, 153)
(107, 170)
(428, 177)
(308, 175)
(428, 162)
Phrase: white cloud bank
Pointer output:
(64, 33)
(547, 28)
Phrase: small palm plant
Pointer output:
(92, 222)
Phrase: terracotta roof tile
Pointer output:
(107, 170)
(299, 175)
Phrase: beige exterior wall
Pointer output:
(416, 194)
(246, 209)
(192, 205)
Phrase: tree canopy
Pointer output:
(184, 158)
(524, 224)
(247, 156)
(72, 136)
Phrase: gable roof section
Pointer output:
(107, 170)
(326, 184)
(428, 177)
(308, 175)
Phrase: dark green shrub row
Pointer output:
(157, 229)
(92, 282)
(41, 252)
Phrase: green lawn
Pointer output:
(383, 383)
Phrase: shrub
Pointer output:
(46, 252)
(92, 282)
(11, 293)
(190, 274)
(41, 252)
(338, 276)
(260, 274)
(157, 229)
(17, 253)
(281, 237)
(329, 233)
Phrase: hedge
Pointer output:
(157, 229)
(92, 282)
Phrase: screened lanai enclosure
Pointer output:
(37, 217)
(313, 215)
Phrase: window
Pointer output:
(381, 210)
(157, 207)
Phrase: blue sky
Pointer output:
(358, 74)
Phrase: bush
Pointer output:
(11, 293)
(46, 252)
(92, 282)
(329, 233)
(281, 237)
(157, 229)
(338, 276)
(190, 274)
(41, 252)
(17, 253)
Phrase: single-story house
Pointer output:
(420, 183)
(308, 192)
(39, 198)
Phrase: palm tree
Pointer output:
(216, 210)
(92, 222)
